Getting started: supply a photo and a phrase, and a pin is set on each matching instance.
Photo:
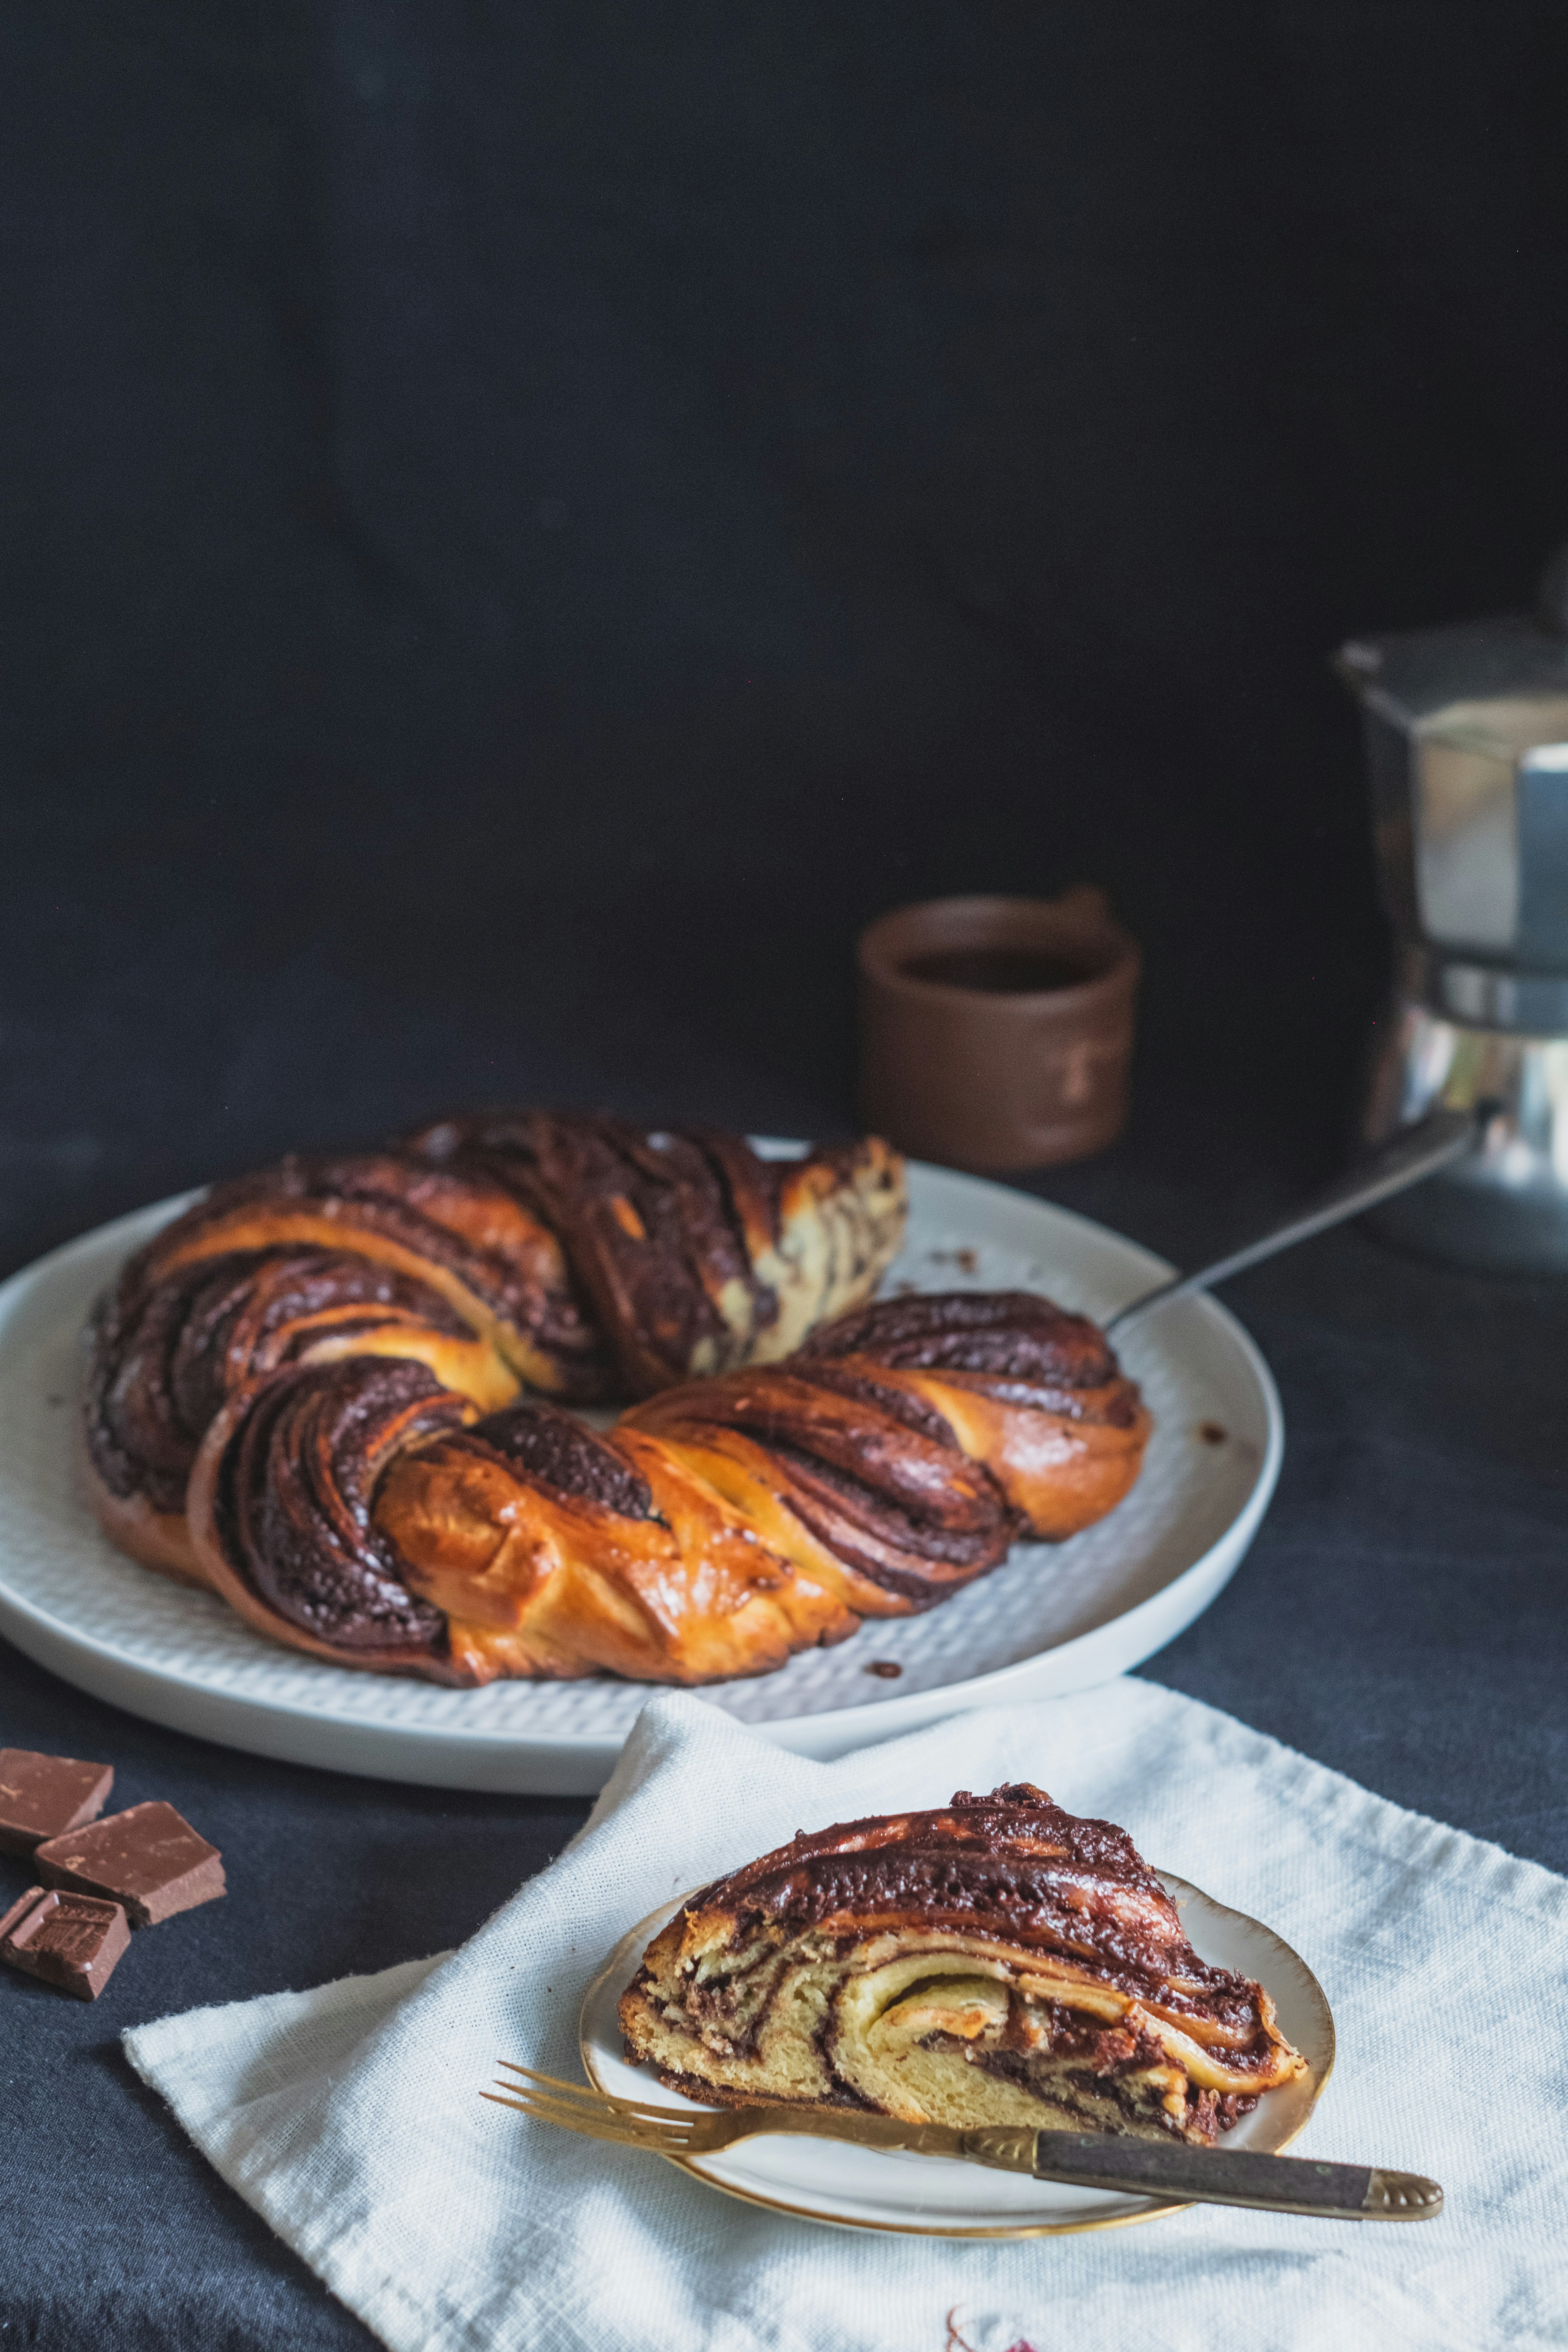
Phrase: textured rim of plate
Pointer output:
(636, 1939)
(835, 1730)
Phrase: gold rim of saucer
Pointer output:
(628, 1952)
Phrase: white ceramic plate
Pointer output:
(1053, 1618)
(879, 2189)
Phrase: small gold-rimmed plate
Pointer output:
(924, 2196)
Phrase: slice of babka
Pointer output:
(999, 1962)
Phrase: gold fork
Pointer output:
(1277, 2184)
(669, 2131)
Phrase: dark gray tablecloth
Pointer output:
(1403, 1616)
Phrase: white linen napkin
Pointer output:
(348, 2116)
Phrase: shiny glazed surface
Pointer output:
(305, 1394)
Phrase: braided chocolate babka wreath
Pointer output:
(308, 1393)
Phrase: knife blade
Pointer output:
(1139, 2168)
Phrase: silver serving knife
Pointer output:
(1411, 1154)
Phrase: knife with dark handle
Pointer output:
(1168, 2170)
(1209, 2176)
(1126, 2166)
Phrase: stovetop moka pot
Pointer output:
(1467, 744)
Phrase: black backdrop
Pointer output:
(532, 522)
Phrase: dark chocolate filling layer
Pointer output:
(295, 1494)
(867, 1531)
(1117, 1406)
(655, 1225)
(562, 1453)
(1208, 2112)
(1010, 1334)
(930, 1484)
(1011, 1863)
(862, 1386)
(166, 1357)
(396, 1197)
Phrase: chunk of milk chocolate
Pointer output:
(148, 1858)
(40, 1796)
(69, 1940)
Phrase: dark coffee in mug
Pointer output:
(998, 972)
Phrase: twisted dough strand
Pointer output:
(305, 1395)
(716, 1531)
(573, 1256)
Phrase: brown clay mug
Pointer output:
(995, 1032)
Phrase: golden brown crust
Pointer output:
(304, 1394)
(536, 1580)
(160, 1540)
(358, 1509)
(727, 1522)
(1059, 1471)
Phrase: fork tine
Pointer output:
(626, 2130)
(664, 2143)
(583, 2129)
(553, 2084)
(636, 2135)
(592, 2111)
(595, 2126)
(515, 2066)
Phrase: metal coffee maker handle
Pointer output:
(1466, 742)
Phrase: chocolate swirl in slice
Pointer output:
(997, 1961)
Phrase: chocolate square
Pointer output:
(149, 1858)
(43, 1796)
(69, 1940)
